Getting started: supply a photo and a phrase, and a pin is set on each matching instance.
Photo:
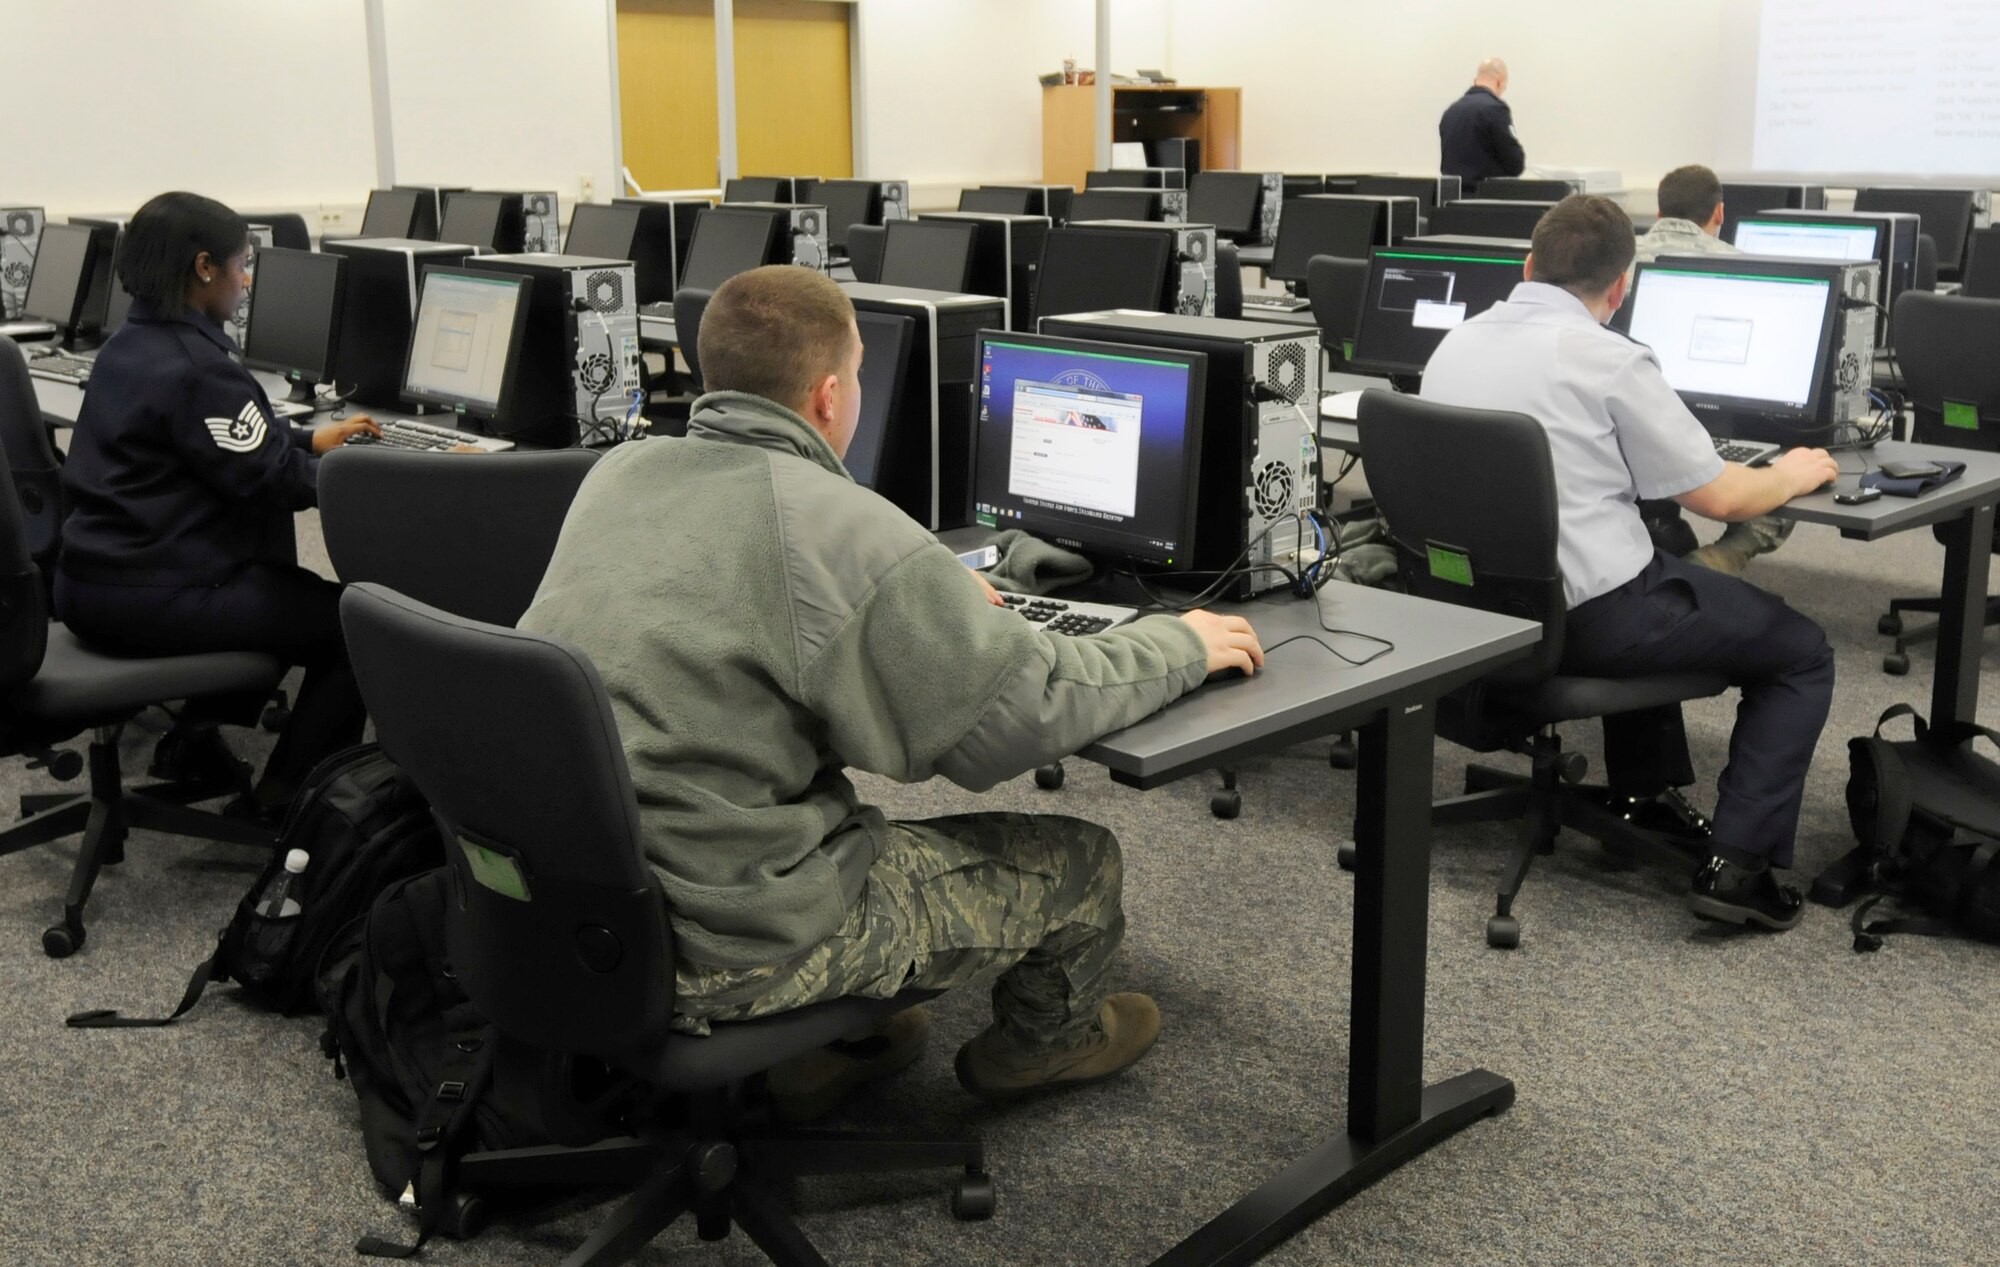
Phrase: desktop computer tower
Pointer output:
(381, 299)
(895, 200)
(806, 232)
(20, 235)
(1270, 207)
(541, 223)
(1259, 435)
(580, 351)
(934, 487)
(1173, 206)
(1191, 277)
(1020, 257)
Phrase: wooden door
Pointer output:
(794, 103)
(666, 89)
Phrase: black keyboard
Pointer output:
(1281, 303)
(60, 367)
(408, 433)
(1748, 452)
(1058, 616)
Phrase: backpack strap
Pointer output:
(1868, 934)
(209, 970)
(439, 1124)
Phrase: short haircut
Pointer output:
(162, 239)
(775, 332)
(1583, 245)
(1690, 193)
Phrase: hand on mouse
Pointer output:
(1806, 470)
(1231, 642)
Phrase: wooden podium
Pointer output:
(1213, 116)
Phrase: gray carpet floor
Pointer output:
(1684, 1096)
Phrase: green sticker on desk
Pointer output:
(1448, 564)
(495, 870)
(1958, 413)
(1347, 349)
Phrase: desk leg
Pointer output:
(1962, 617)
(1391, 1115)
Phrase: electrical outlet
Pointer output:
(586, 189)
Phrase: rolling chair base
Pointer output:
(1896, 663)
(105, 815)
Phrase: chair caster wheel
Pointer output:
(60, 941)
(973, 1197)
(1889, 626)
(1225, 802)
(274, 718)
(467, 1216)
(1341, 756)
(1896, 664)
(1049, 777)
(1345, 855)
(1503, 932)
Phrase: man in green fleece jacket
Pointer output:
(794, 624)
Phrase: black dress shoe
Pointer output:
(1668, 813)
(197, 756)
(1731, 894)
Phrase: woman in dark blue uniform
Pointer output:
(182, 488)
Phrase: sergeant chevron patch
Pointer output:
(240, 434)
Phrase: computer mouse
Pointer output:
(1227, 675)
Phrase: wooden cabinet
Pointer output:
(1213, 116)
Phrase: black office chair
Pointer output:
(1924, 268)
(1228, 281)
(1946, 345)
(53, 687)
(288, 229)
(1982, 265)
(689, 303)
(582, 969)
(31, 455)
(864, 251)
(1337, 287)
(470, 535)
(1476, 488)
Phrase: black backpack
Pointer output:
(365, 826)
(1928, 812)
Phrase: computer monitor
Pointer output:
(295, 310)
(1418, 294)
(393, 213)
(731, 240)
(465, 342)
(601, 230)
(1423, 188)
(1089, 270)
(1317, 224)
(635, 230)
(928, 254)
(760, 189)
(1741, 339)
(1136, 178)
(1114, 204)
(1946, 215)
(1298, 186)
(65, 261)
(874, 452)
(106, 292)
(1490, 217)
(1093, 445)
(1743, 198)
(847, 203)
(999, 201)
(487, 221)
(1524, 188)
(1852, 241)
(1230, 201)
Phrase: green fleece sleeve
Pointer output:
(926, 677)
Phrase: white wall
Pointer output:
(112, 101)
(503, 94)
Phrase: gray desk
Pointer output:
(1305, 692)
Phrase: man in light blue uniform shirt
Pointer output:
(1617, 433)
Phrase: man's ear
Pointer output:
(1619, 289)
(820, 401)
(1714, 225)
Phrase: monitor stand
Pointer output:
(302, 393)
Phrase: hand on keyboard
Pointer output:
(327, 438)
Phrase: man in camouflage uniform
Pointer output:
(1690, 223)
(798, 624)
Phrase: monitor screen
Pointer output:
(1324, 225)
(1300, 186)
(1423, 188)
(1229, 201)
(1946, 215)
(295, 314)
(1095, 445)
(1114, 204)
(757, 189)
(1417, 295)
(728, 241)
(1490, 217)
(392, 213)
(605, 232)
(60, 281)
(465, 339)
(1817, 241)
(475, 219)
(928, 254)
(998, 201)
(1088, 270)
(885, 359)
(1734, 337)
(847, 203)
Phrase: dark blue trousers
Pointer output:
(1674, 617)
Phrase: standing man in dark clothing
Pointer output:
(1476, 134)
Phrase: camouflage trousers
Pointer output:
(1032, 897)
